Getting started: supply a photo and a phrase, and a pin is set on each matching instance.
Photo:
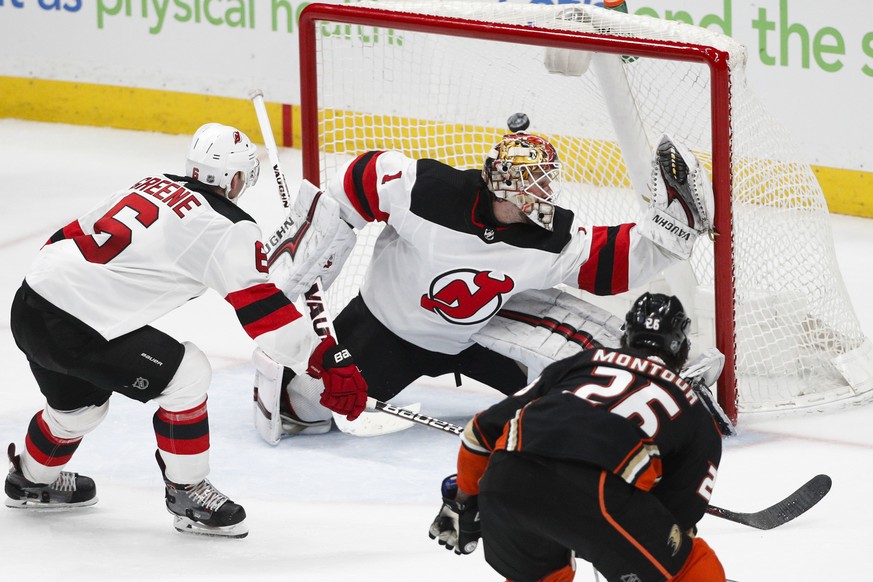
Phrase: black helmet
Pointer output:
(658, 322)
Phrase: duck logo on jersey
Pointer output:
(674, 540)
(467, 297)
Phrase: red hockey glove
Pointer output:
(345, 390)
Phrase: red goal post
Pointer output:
(438, 79)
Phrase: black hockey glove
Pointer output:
(457, 525)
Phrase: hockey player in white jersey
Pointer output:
(82, 319)
(458, 245)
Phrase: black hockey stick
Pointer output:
(789, 508)
(792, 506)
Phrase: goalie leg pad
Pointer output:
(267, 393)
(539, 327)
(279, 410)
(682, 201)
(313, 242)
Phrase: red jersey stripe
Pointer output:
(359, 184)
(370, 191)
(246, 297)
(606, 270)
(588, 270)
(262, 308)
(351, 191)
(273, 321)
(621, 259)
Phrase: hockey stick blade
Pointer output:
(375, 423)
(413, 416)
(781, 513)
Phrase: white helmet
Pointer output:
(217, 153)
(524, 169)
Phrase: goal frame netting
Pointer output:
(716, 60)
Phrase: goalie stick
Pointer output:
(322, 322)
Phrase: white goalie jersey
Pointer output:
(443, 266)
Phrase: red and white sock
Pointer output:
(183, 442)
(45, 454)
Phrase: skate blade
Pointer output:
(185, 525)
(34, 505)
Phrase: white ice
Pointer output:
(337, 507)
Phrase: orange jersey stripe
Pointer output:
(623, 532)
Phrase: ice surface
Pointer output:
(337, 507)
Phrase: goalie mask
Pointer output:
(658, 323)
(524, 169)
(217, 153)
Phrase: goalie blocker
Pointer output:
(312, 243)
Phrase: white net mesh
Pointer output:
(445, 96)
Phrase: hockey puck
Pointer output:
(518, 122)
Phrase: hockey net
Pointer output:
(439, 80)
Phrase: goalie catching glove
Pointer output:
(682, 201)
(345, 390)
(457, 525)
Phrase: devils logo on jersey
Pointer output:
(467, 297)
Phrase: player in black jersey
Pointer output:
(608, 456)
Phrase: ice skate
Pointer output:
(68, 491)
(202, 509)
